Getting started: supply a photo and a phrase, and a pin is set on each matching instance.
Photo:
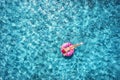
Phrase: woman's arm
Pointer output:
(76, 45)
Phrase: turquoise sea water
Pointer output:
(32, 31)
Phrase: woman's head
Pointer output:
(63, 51)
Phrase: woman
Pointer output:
(65, 50)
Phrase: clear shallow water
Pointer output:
(32, 31)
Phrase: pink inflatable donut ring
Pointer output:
(65, 45)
